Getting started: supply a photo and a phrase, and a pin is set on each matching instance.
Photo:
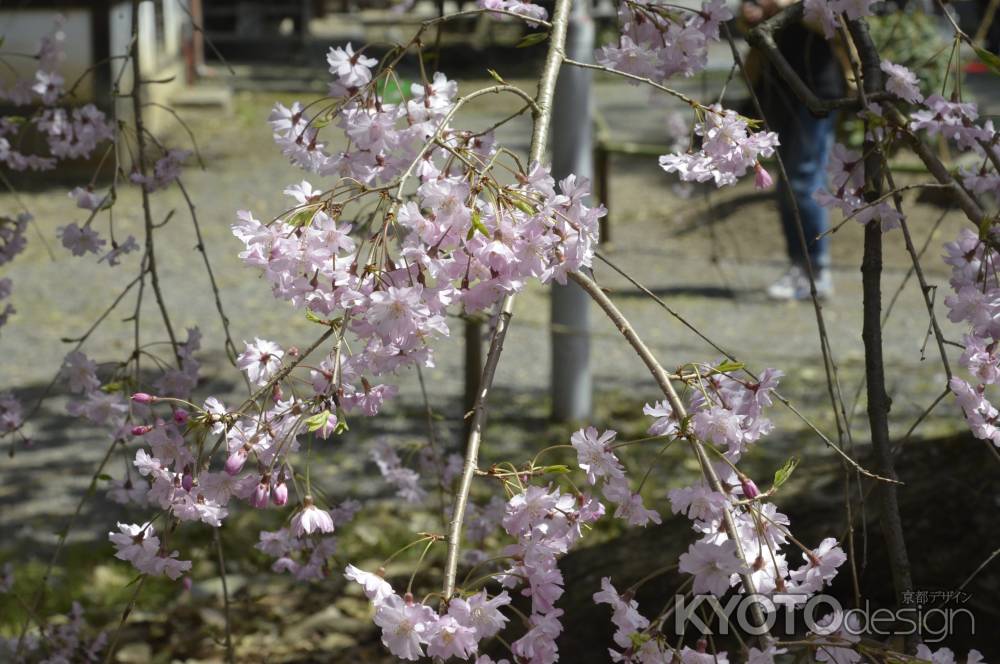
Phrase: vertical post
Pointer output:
(602, 188)
(572, 152)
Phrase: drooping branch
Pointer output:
(662, 379)
(140, 159)
(539, 136)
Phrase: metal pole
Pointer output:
(572, 152)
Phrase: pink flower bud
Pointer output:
(186, 582)
(142, 429)
(180, 416)
(187, 481)
(329, 427)
(279, 494)
(750, 490)
(762, 179)
(259, 496)
(142, 397)
(234, 463)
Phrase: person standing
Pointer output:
(806, 140)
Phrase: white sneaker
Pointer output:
(794, 284)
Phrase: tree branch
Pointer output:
(539, 136)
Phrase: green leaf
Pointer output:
(317, 421)
(639, 639)
(782, 474)
(524, 207)
(558, 468)
(477, 223)
(302, 217)
(496, 77)
(104, 477)
(729, 365)
(312, 317)
(532, 39)
(991, 60)
(111, 388)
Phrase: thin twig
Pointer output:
(140, 138)
(230, 654)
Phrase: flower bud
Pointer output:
(142, 397)
(762, 179)
(279, 494)
(750, 490)
(187, 481)
(259, 496)
(141, 429)
(234, 463)
(180, 416)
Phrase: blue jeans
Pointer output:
(805, 146)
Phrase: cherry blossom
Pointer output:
(261, 360)
(901, 82)
(728, 149)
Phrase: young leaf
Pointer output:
(532, 39)
(312, 317)
(317, 421)
(782, 474)
(991, 60)
(524, 207)
(477, 223)
(728, 366)
(496, 77)
(302, 217)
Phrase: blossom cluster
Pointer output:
(901, 82)
(465, 241)
(846, 182)
(69, 134)
(139, 545)
(729, 147)
(304, 549)
(958, 121)
(12, 242)
(409, 626)
(596, 457)
(11, 413)
(524, 8)
(639, 643)
(976, 302)
(66, 639)
(727, 413)
(659, 39)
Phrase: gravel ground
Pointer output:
(709, 256)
